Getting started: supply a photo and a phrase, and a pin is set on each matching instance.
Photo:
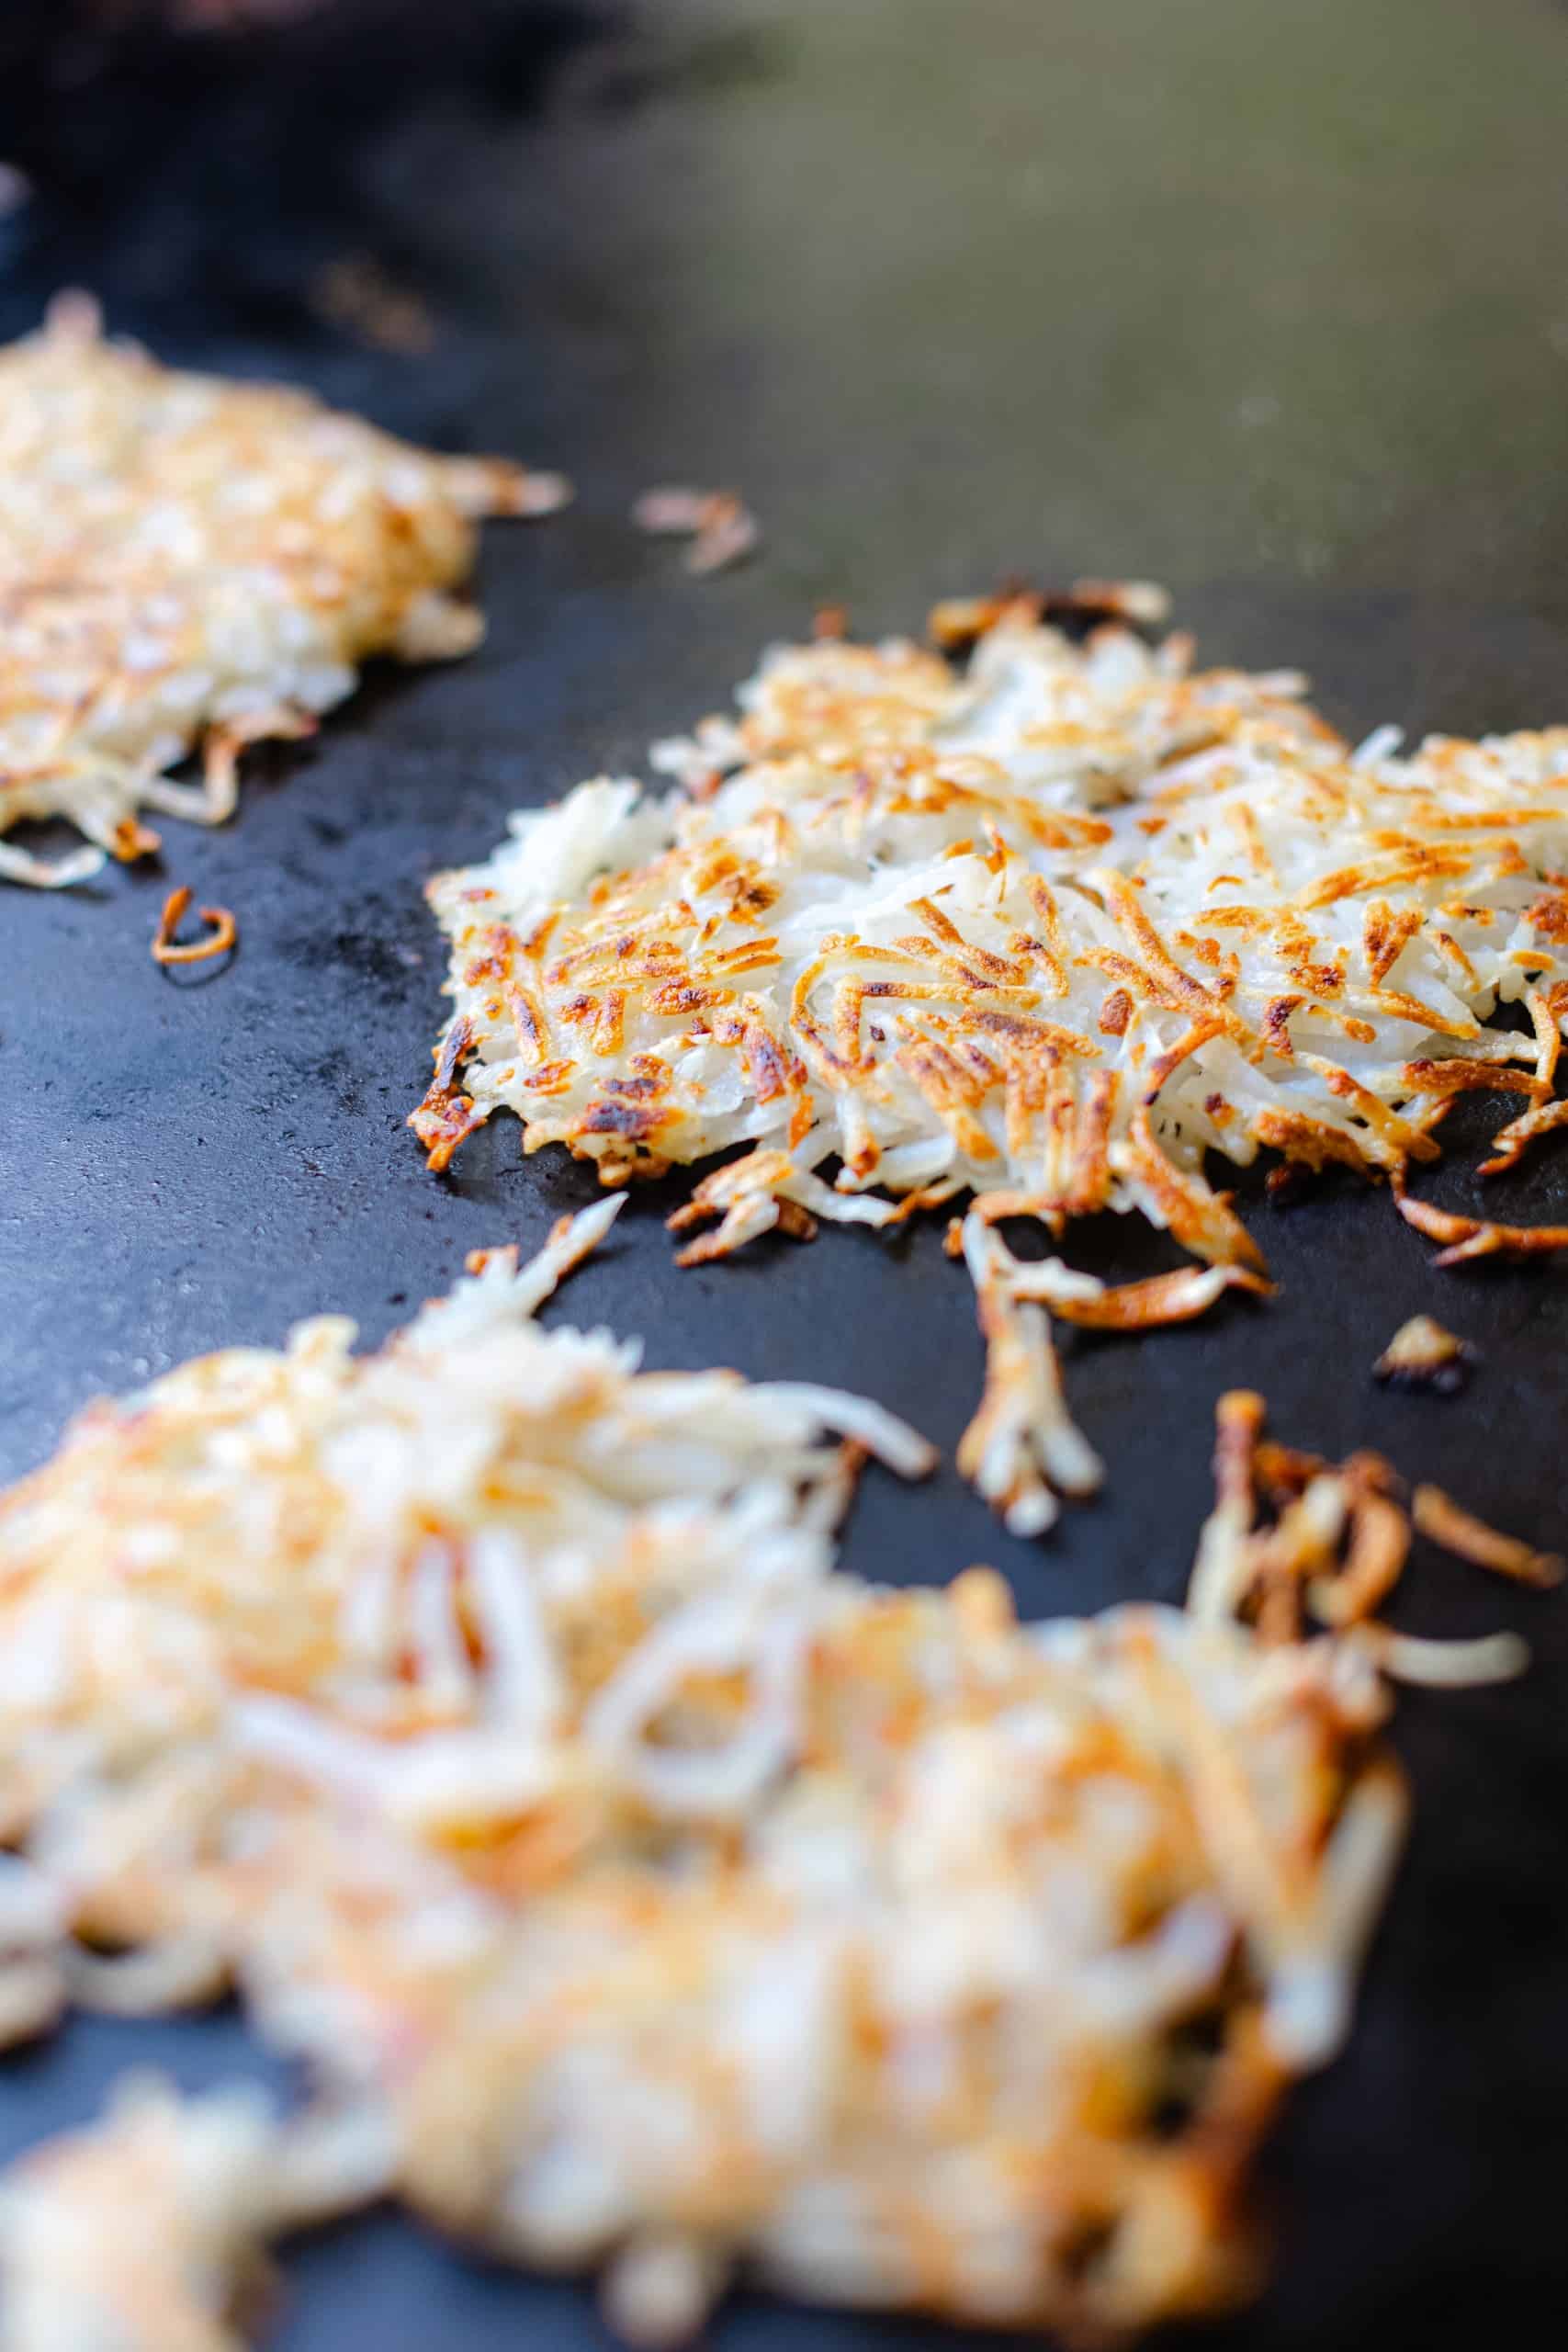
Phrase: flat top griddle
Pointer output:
(1271, 304)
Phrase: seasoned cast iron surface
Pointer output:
(1269, 303)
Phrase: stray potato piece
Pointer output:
(721, 528)
(222, 937)
(1423, 1354)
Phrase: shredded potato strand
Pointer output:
(222, 938)
(1339, 1541)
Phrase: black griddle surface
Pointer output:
(1268, 303)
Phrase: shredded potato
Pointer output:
(187, 562)
(721, 528)
(220, 939)
(1424, 1354)
(637, 1892)
(1048, 929)
(140, 2233)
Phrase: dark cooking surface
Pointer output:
(1269, 302)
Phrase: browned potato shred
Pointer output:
(219, 940)
(1335, 1547)
(721, 528)
(1438, 1516)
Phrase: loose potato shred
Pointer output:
(1467, 1238)
(636, 1892)
(1423, 1354)
(219, 940)
(1436, 1514)
(1338, 1544)
(1050, 927)
(721, 528)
